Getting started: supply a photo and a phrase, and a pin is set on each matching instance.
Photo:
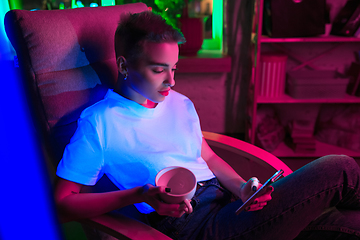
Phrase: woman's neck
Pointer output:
(149, 104)
(119, 89)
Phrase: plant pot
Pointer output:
(193, 31)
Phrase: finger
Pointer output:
(176, 210)
(271, 188)
(156, 190)
(146, 188)
(162, 189)
(150, 189)
(189, 208)
(168, 209)
(267, 192)
(256, 207)
(266, 196)
(254, 184)
(263, 198)
(247, 189)
(180, 214)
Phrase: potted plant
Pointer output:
(176, 12)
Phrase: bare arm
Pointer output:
(231, 180)
(74, 205)
(222, 170)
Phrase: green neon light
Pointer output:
(6, 50)
(15, 4)
(217, 28)
(76, 4)
(107, 2)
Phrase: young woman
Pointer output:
(142, 126)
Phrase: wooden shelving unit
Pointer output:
(255, 99)
(322, 149)
(266, 39)
(287, 99)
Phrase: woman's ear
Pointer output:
(122, 65)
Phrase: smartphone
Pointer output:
(256, 194)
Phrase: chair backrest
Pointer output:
(67, 61)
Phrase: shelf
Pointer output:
(322, 149)
(206, 61)
(266, 39)
(287, 99)
(293, 48)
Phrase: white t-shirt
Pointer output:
(131, 143)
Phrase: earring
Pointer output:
(125, 77)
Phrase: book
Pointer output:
(302, 136)
(301, 128)
(307, 145)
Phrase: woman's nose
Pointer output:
(170, 81)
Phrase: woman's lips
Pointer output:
(164, 93)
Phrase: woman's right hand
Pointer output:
(151, 196)
(246, 190)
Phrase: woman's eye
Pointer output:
(158, 70)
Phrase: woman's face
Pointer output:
(153, 75)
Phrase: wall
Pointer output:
(220, 98)
(208, 93)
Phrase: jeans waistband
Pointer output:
(206, 182)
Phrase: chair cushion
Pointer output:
(67, 60)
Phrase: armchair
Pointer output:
(67, 62)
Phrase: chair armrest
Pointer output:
(123, 227)
(246, 149)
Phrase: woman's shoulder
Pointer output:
(99, 108)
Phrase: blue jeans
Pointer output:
(319, 201)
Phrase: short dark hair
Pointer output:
(136, 29)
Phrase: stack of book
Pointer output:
(302, 136)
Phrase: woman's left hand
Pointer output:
(151, 195)
(247, 189)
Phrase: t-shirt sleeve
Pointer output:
(83, 161)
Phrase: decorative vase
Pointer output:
(193, 31)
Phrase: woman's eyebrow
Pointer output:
(158, 64)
